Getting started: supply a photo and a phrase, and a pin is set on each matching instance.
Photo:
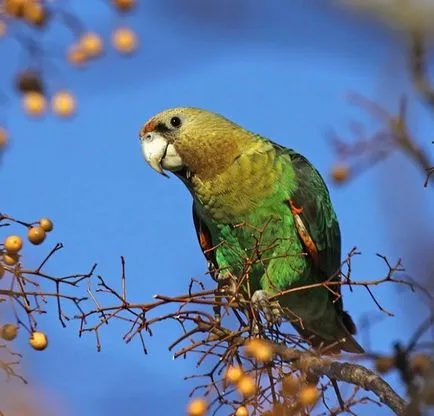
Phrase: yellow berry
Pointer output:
(63, 103)
(124, 40)
(34, 103)
(234, 374)
(38, 340)
(3, 138)
(9, 332)
(384, 364)
(340, 173)
(29, 81)
(10, 259)
(246, 386)
(420, 364)
(13, 244)
(259, 349)
(91, 44)
(34, 13)
(46, 224)
(197, 407)
(14, 8)
(308, 395)
(242, 411)
(124, 5)
(36, 235)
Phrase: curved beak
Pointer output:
(159, 153)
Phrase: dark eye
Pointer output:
(175, 121)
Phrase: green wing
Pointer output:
(320, 222)
(318, 214)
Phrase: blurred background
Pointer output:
(281, 69)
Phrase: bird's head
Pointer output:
(190, 141)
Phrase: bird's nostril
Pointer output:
(145, 137)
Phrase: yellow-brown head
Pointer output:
(188, 139)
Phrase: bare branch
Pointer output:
(357, 375)
(418, 67)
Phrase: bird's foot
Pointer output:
(227, 283)
(272, 310)
(217, 314)
(227, 287)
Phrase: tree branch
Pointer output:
(418, 68)
(315, 366)
(357, 375)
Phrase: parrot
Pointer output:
(254, 198)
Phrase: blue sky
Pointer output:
(280, 70)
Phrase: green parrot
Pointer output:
(253, 198)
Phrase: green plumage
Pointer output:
(259, 204)
(283, 262)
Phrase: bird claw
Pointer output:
(226, 287)
(272, 310)
(227, 283)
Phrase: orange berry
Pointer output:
(3, 137)
(420, 364)
(34, 103)
(259, 349)
(10, 259)
(308, 395)
(279, 410)
(234, 374)
(34, 13)
(124, 40)
(242, 411)
(46, 224)
(63, 104)
(340, 173)
(13, 244)
(246, 386)
(14, 8)
(9, 332)
(77, 55)
(36, 235)
(197, 407)
(290, 385)
(91, 44)
(384, 364)
(124, 5)
(38, 340)
(29, 81)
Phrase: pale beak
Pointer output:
(159, 153)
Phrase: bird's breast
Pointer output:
(246, 186)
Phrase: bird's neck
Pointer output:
(232, 195)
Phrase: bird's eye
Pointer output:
(175, 121)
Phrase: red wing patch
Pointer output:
(205, 241)
(303, 234)
(294, 209)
